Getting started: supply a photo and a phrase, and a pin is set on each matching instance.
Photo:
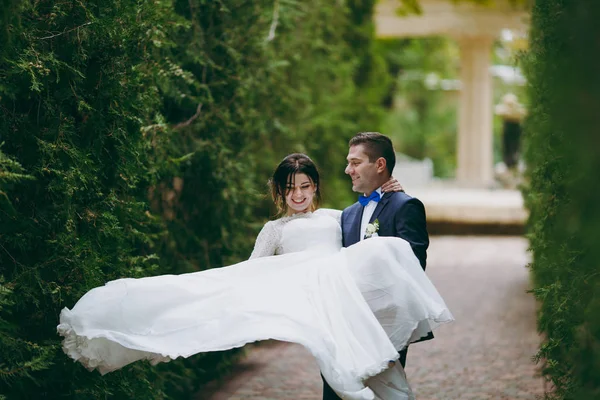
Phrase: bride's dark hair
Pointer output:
(283, 176)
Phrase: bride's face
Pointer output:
(299, 194)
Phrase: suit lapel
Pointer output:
(380, 206)
(355, 235)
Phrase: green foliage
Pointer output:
(138, 138)
(561, 143)
(266, 89)
(76, 86)
(422, 120)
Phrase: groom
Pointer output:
(371, 159)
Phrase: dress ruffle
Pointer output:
(352, 308)
(91, 352)
(94, 351)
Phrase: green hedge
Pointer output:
(76, 88)
(562, 142)
(421, 121)
(137, 138)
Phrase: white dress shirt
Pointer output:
(367, 214)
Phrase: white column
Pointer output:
(475, 130)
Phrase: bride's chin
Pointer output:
(298, 210)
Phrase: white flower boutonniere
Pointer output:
(372, 229)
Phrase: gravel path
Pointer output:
(485, 354)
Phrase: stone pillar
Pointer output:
(475, 130)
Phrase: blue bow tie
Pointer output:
(365, 200)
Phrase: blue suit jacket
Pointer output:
(399, 215)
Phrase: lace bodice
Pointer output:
(307, 231)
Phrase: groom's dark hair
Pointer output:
(376, 145)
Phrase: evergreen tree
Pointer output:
(138, 138)
(562, 142)
(77, 87)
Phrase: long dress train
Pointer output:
(350, 307)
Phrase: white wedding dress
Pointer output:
(352, 308)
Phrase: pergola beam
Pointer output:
(443, 17)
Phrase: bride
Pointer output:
(299, 285)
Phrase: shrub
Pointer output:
(562, 142)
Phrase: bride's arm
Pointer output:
(266, 241)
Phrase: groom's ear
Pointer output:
(381, 165)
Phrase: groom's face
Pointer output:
(362, 171)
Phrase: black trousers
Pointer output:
(329, 394)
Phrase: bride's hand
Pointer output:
(392, 186)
